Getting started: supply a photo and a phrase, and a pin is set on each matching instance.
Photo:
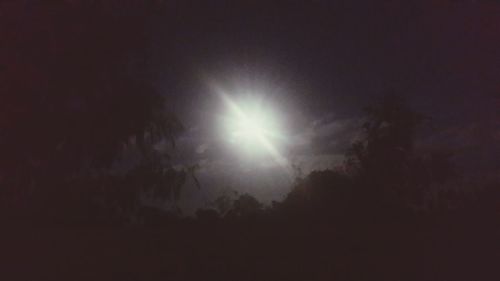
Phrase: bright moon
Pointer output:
(253, 128)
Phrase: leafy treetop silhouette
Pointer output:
(80, 88)
(385, 158)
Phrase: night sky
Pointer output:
(315, 65)
(249, 140)
(319, 64)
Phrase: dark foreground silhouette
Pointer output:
(80, 90)
(361, 244)
(371, 219)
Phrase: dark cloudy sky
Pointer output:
(319, 63)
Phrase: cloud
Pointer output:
(320, 144)
(202, 148)
(326, 136)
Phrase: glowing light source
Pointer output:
(252, 127)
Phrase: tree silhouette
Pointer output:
(245, 205)
(385, 158)
(321, 193)
(80, 89)
(383, 169)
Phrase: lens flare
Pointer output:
(253, 128)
